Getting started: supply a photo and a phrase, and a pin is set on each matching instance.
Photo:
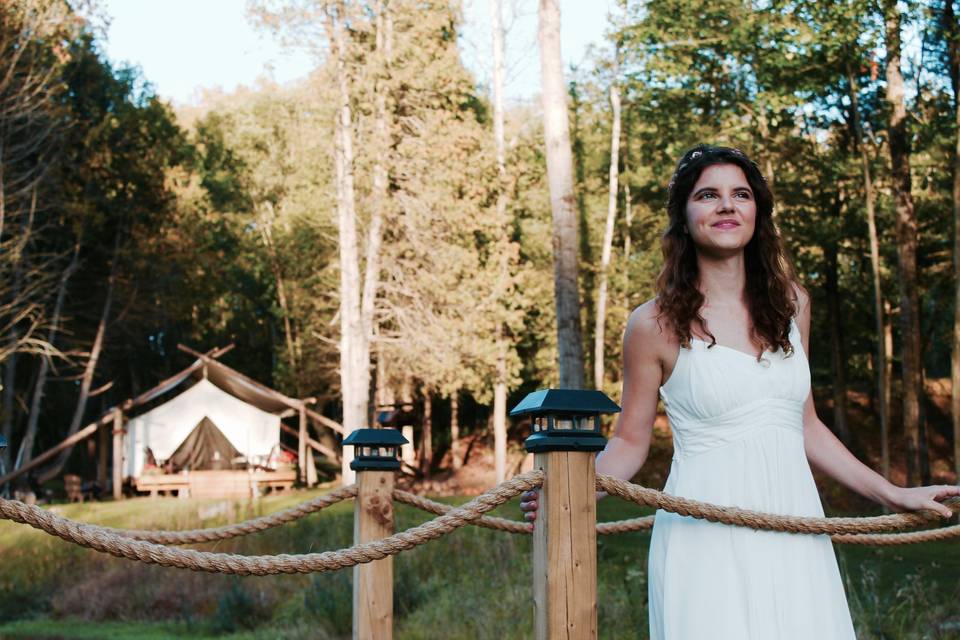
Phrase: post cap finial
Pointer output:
(376, 449)
(565, 419)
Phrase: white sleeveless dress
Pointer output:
(738, 441)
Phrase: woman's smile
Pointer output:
(726, 224)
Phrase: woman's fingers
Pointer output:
(942, 493)
(939, 508)
(529, 505)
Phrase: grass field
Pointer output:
(472, 584)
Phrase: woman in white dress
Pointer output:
(724, 345)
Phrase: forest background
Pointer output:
(381, 232)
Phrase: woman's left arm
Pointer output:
(828, 455)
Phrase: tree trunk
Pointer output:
(25, 453)
(881, 370)
(455, 459)
(502, 346)
(599, 331)
(13, 335)
(354, 340)
(899, 144)
(835, 314)
(87, 381)
(426, 438)
(887, 374)
(953, 47)
(10, 375)
(381, 174)
(556, 128)
(266, 231)
(627, 201)
(588, 279)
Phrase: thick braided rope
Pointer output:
(438, 508)
(246, 527)
(100, 540)
(624, 526)
(891, 539)
(865, 539)
(770, 522)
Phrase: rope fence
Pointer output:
(874, 530)
(123, 546)
(564, 540)
(255, 525)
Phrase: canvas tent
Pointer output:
(219, 410)
(252, 432)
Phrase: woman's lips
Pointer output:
(726, 225)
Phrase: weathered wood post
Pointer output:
(117, 453)
(565, 440)
(302, 444)
(375, 462)
(103, 456)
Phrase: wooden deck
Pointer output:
(217, 484)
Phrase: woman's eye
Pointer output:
(744, 194)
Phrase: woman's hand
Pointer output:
(529, 505)
(929, 497)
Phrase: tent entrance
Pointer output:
(205, 449)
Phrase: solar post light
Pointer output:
(565, 419)
(565, 439)
(376, 463)
(375, 449)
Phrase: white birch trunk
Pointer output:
(500, 384)
(556, 128)
(354, 341)
(599, 331)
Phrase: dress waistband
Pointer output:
(692, 437)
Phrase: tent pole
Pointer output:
(103, 456)
(118, 454)
(302, 445)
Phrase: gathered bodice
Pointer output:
(717, 395)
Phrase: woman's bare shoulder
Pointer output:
(646, 326)
(802, 297)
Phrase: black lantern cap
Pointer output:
(581, 402)
(368, 439)
(574, 409)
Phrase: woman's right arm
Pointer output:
(627, 450)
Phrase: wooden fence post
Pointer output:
(566, 437)
(376, 463)
(117, 453)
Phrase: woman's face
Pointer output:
(721, 211)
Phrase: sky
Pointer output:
(218, 47)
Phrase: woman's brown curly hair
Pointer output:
(770, 297)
